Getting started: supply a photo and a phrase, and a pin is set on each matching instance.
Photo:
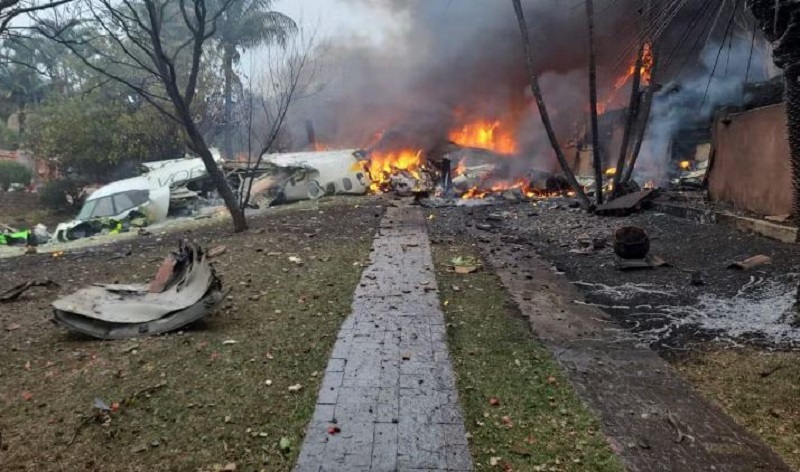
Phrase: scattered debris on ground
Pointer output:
(14, 292)
(706, 300)
(624, 206)
(751, 262)
(185, 290)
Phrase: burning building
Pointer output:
(450, 96)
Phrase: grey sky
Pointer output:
(341, 18)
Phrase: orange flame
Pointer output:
(382, 165)
(460, 168)
(647, 64)
(482, 192)
(646, 77)
(485, 135)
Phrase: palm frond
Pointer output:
(250, 23)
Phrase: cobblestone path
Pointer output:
(388, 400)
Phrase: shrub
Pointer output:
(13, 173)
(63, 196)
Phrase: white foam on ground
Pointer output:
(765, 311)
(628, 290)
(762, 309)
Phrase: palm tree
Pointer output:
(246, 24)
(21, 81)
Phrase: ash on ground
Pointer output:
(696, 298)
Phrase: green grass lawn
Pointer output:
(520, 411)
(210, 397)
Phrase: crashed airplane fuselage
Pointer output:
(163, 185)
(283, 178)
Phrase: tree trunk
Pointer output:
(537, 93)
(596, 154)
(227, 66)
(199, 146)
(791, 76)
(21, 118)
(633, 111)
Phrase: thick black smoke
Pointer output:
(460, 60)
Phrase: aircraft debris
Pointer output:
(187, 290)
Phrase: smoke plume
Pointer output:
(456, 61)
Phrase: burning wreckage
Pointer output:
(477, 162)
(181, 187)
(449, 174)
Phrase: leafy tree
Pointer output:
(246, 24)
(13, 173)
(162, 47)
(21, 83)
(93, 135)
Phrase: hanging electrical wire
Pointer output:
(719, 53)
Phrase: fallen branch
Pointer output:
(144, 391)
(80, 426)
(13, 293)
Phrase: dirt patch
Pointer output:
(760, 390)
(225, 396)
(519, 408)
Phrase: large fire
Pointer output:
(382, 165)
(484, 134)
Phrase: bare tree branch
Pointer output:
(11, 9)
(285, 79)
(142, 44)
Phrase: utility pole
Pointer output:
(645, 103)
(598, 160)
(633, 111)
(537, 93)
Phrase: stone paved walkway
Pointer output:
(389, 385)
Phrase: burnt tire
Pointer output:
(631, 242)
